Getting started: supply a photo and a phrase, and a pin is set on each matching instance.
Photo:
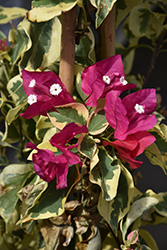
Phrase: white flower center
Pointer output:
(123, 81)
(106, 79)
(32, 99)
(32, 83)
(139, 108)
(55, 89)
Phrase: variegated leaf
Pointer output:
(30, 194)
(84, 51)
(113, 211)
(144, 22)
(12, 180)
(11, 134)
(45, 37)
(103, 9)
(155, 157)
(20, 39)
(108, 177)
(161, 207)
(97, 122)
(14, 113)
(42, 126)
(72, 112)
(51, 202)
(123, 7)
(45, 10)
(16, 90)
(138, 207)
(87, 146)
(8, 14)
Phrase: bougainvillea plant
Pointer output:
(77, 123)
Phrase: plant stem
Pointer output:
(157, 47)
(108, 35)
(67, 55)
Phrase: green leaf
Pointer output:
(161, 207)
(12, 180)
(17, 38)
(8, 14)
(28, 128)
(97, 122)
(103, 9)
(146, 236)
(144, 22)
(161, 143)
(84, 51)
(123, 7)
(139, 207)
(14, 113)
(51, 202)
(113, 211)
(30, 194)
(42, 126)
(78, 72)
(11, 134)
(44, 10)
(45, 37)
(155, 157)
(2, 35)
(5, 144)
(19, 240)
(2, 99)
(108, 176)
(16, 90)
(3, 160)
(73, 112)
(87, 146)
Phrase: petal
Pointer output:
(146, 97)
(68, 132)
(116, 113)
(45, 100)
(144, 139)
(92, 78)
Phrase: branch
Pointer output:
(67, 55)
(108, 35)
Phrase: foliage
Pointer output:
(73, 185)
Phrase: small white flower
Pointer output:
(32, 83)
(55, 89)
(106, 79)
(139, 108)
(123, 81)
(32, 99)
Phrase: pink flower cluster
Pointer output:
(45, 91)
(131, 116)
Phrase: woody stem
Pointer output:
(67, 55)
(108, 35)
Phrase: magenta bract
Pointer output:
(59, 140)
(44, 90)
(132, 146)
(103, 76)
(47, 165)
(3, 45)
(131, 114)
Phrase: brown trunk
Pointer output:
(108, 35)
(67, 56)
